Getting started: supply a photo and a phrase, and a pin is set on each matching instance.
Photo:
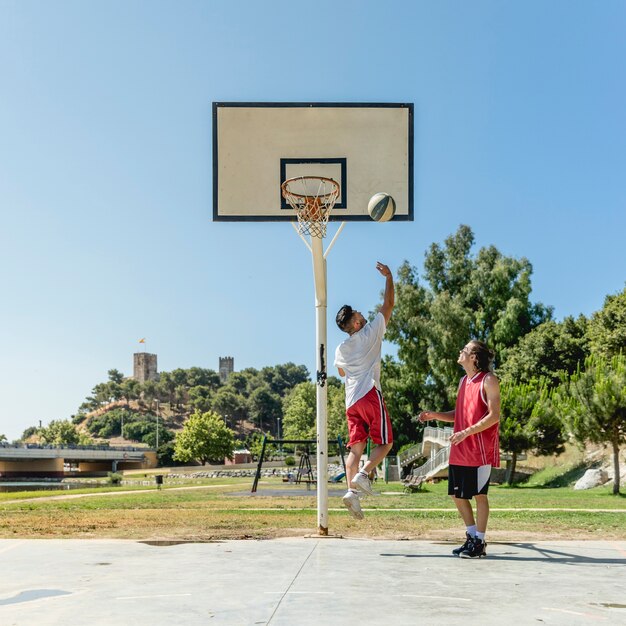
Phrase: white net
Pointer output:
(312, 198)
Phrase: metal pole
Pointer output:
(319, 274)
(257, 476)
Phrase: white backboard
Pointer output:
(366, 147)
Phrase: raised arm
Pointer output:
(389, 298)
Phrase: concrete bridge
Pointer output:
(37, 461)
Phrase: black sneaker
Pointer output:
(476, 550)
(465, 546)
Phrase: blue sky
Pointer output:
(105, 171)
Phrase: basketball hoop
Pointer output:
(312, 198)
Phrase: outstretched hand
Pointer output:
(383, 269)
(424, 416)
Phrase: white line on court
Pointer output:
(156, 595)
(411, 595)
(269, 621)
(589, 615)
(10, 547)
(322, 593)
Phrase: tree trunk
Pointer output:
(511, 468)
(615, 443)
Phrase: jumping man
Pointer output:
(358, 359)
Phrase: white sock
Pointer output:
(364, 473)
(352, 490)
(480, 536)
(471, 531)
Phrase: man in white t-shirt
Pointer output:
(358, 359)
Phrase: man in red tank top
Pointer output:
(475, 443)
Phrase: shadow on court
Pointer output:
(531, 552)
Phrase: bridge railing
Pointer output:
(69, 446)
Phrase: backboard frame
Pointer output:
(338, 161)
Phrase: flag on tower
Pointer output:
(142, 340)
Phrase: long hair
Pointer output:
(484, 355)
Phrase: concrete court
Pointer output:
(301, 582)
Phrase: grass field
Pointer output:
(224, 509)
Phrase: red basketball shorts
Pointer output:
(368, 417)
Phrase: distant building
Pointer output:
(145, 366)
(227, 367)
(239, 456)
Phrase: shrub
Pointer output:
(289, 461)
(115, 478)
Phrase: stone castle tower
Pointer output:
(144, 366)
(227, 366)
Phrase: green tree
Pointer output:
(58, 433)
(404, 391)
(149, 392)
(299, 412)
(109, 424)
(180, 396)
(254, 443)
(149, 435)
(607, 328)
(198, 376)
(282, 378)
(229, 404)
(333, 381)
(265, 408)
(484, 296)
(138, 428)
(594, 402)
(548, 351)
(115, 376)
(205, 437)
(28, 433)
(101, 394)
(528, 421)
(130, 390)
(200, 398)
(85, 440)
(166, 387)
(165, 454)
(336, 422)
(179, 377)
(239, 382)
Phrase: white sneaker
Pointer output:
(351, 502)
(363, 483)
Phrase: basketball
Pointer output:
(381, 207)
